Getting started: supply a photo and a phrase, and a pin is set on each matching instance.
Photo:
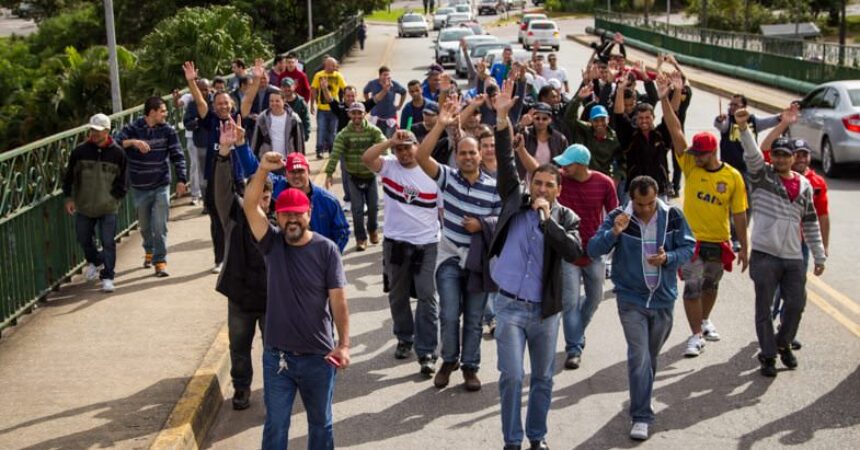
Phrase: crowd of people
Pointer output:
(507, 201)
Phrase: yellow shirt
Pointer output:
(335, 84)
(710, 197)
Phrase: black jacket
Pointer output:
(243, 277)
(95, 178)
(561, 229)
(557, 145)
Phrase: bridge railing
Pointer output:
(38, 248)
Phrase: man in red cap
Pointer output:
(713, 191)
(305, 281)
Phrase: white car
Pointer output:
(448, 44)
(495, 55)
(542, 33)
(471, 41)
(466, 9)
(455, 19)
(524, 24)
(412, 24)
(440, 17)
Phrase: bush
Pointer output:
(80, 27)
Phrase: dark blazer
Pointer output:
(561, 229)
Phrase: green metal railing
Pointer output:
(38, 249)
(807, 61)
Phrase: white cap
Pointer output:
(99, 122)
(555, 83)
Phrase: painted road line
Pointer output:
(833, 293)
(833, 312)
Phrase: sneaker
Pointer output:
(538, 445)
(443, 376)
(796, 345)
(695, 346)
(347, 206)
(374, 237)
(161, 270)
(639, 431)
(107, 285)
(194, 201)
(768, 366)
(319, 155)
(360, 246)
(709, 331)
(787, 358)
(428, 365)
(472, 382)
(91, 272)
(147, 260)
(241, 399)
(572, 362)
(217, 268)
(403, 350)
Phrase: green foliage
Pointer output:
(37, 10)
(729, 15)
(212, 37)
(79, 27)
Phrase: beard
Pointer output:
(294, 231)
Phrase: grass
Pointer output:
(385, 15)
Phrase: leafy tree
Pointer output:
(37, 10)
(81, 26)
(212, 37)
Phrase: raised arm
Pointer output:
(789, 116)
(752, 153)
(618, 106)
(248, 100)
(679, 141)
(230, 137)
(448, 115)
(372, 157)
(254, 191)
(508, 179)
(191, 78)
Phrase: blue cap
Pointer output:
(575, 154)
(597, 112)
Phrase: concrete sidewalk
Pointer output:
(94, 370)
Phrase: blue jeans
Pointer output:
(519, 324)
(777, 298)
(313, 378)
(646, 330)
(326, 130)
(578, 308)
(363, 192)
(490, 308)
(455, 299)
(153, 208)
(423, 329)
(85, 230)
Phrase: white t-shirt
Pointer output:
(277, 132)
(558, 74)
(410, 203)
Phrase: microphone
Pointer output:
(542, 215)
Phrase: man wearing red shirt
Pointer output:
(590, 194)
(288, 67)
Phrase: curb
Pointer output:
(194, 414)
(705, 86)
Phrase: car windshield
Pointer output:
(444, 11)
(528, 19)
(482, 50)
(854, 94)
(454, 35)
(462, 8)
(412, 18)
(543, 26)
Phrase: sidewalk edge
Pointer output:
(708, 87)
(195, 412)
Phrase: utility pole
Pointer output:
(668, 13)
(310, 22)
(115, 95)
(842, 30)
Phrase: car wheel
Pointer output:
(426, 34)
(556, 48)
(828, 161)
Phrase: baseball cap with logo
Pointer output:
(542, 108)
(801, 145)
(575, 154)
(357, 106)
(292, 200)
(703, 143)
(296, 161)
(784, 145)
(288, 82)
(99, 122)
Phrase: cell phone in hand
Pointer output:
(333, 361)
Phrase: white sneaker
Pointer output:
(194, 201)
(107, 285)
(92, 272)
(217, 268)
(709, 331)
(639, 431)
(695, 346)
(347, 206)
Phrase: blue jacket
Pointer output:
(151, 170)
(628, 275)
(327, 217)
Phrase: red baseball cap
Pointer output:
(703, 143)
(292, 200)
(296, 161)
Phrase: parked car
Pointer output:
(448, 43)
(524, 24)
(464, 8)
(511, 4)
(460, 62)
(455, 19)
(830, 122)
(542, 33)
(412, 24)
(440, 17)
(489, 7)
(495, 55)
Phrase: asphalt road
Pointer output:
(717, 400)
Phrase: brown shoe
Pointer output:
(443, 376)
(360, 246)
(147, 260)
(374, 237)
(161, 270)
(472, 382)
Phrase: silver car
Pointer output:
(448, 43)
(411, 24)
(441, 17)
(830, 122)
(455, 19)
(471, 41)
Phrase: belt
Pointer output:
(519, 299)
